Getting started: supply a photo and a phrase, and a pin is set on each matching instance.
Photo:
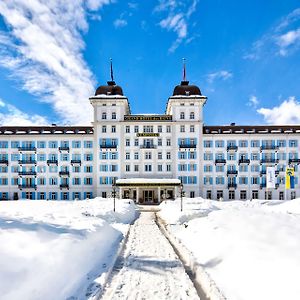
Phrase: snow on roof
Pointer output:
(144, 181)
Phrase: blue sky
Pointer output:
(244, 56)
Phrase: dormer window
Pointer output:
(108, 93)
(181, 104)
(104, 104)
(114, 104)
(187, 93)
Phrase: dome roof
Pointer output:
(184, 89)
(110, 89)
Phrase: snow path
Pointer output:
(150, 269)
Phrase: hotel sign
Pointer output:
(151, 134)
(148, 118)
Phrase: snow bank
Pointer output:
(249, 248)
(55, 249)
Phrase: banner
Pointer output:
(271, 178)
(289, 178)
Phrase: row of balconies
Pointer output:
(262, 148)
(262, 161)
(34, 173)
(34, 186)
(49, 161)
(262, 185)
(33, 149)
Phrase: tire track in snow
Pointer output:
(149, 268)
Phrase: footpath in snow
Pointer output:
(150, 268)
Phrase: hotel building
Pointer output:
(146, 156)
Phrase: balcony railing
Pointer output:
(264, 172)
(64, 186)
(151, 146)
(294, 161)
(232, 172)
(4, 162)
(108, 146)
(269, 147)
(232, 148)
(232, 185)
(26, 148)
(269, 161)
(187, 146)
(64, 173)
(27, 162)
(52, 162)
(244, 161)
(75, 161)
(27, 173)
(64, 148)
(27, 186)
(220, 161)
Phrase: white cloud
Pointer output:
(288, 112)
(12, 116)
(118, 23)
(282, 39)
(223, 75)
(253, 101)
(177, 18)
(45, 39)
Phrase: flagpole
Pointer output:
(184, 71)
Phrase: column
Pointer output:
(137, 194)
(121, 192)
(174, 193)
(158, 196)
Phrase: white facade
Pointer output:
(227, 162)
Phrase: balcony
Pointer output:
(64, 148)
(27, 186)
(232, 185)
(232, 148)
(64, 173)
(269, 161)
(27, 173)
(187, 146)
(4, 162)
(269, 147)
(294, 161)
(263, 185)
(27, 162)
(232, 172)
(151, 146)
(75, 161)
(64, 186)
(244, 161)
(264, 172)
(219, 161)
(52, 162)
(108, 146)
(27, 149)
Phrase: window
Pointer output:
(168, 142)
(182, 128)
(168, 128)
(127, 155)
(41, 144)
(159, 155)
(243, 180)
(103, 195)
(127, 142)
(243, 195)
(192, 155)
(148, 155)
(113, 128)
(243, 144)
(104, 129)
(52, 144)
(127, 129)
(281, 143)
(113, 115)
(148, 168)
(281, 195)
(136, 155)
(127, 168)
(76, 144)
(88, 169)
(76, 169)
(293, 143)
(219, 144)
(136, 129)
(114, 168)
(182, 116)
(53, 181)
(168, 155)
(168, 168)
(76, 181)
(148, 128)
(159, 128)
(208, 195)
(114, 156)
(136, 142)
(207, 144)
(159, 142)
(293, 195)
(220, 195)
(104, 116)
(136, 168)
(159, 168)
(255, 180)
(192, 115)
(254, 194)
(88, 144)
(192, 194)
(192, 128)
(254, 143)
(231, 195)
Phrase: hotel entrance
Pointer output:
(148, 191)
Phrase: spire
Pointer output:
(111, 71)
(184, 72)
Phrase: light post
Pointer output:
(114, 193)
(181, 196)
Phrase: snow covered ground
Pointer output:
(56, 249)
(251, 249)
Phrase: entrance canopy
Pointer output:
(148, 191)
(143, 182)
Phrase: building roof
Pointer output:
(247, 129)
(184, 89)
(110, 89)
(57, 130)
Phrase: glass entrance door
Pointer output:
(148, 196)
